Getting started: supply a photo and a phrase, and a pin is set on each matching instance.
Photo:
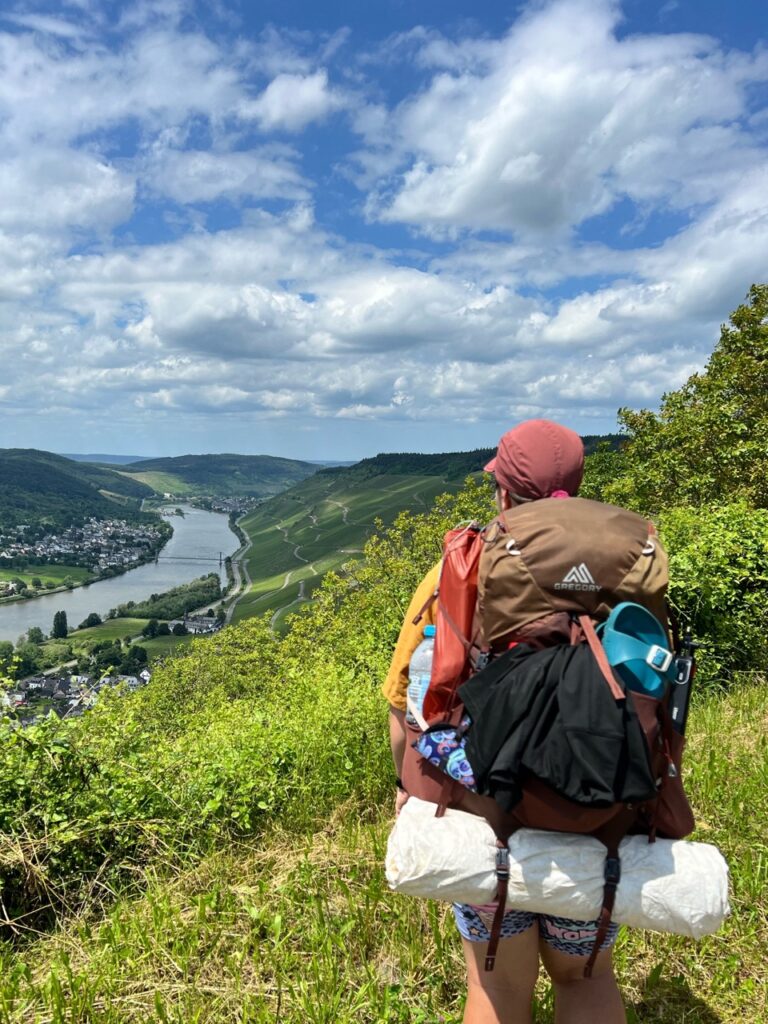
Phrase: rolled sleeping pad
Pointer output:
(666, 886)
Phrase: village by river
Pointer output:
(200, 539)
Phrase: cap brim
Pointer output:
(491, 467)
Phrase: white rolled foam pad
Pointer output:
(666, 886)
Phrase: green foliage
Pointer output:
(176, 601)
(93, 619)
(60, 629)
(601, 469)
(301, 927)
(719, 583)
(455, 465)
(6, 656)
(27, 659)
(224, 475)
(709, 442)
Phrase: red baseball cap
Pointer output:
(538, 458)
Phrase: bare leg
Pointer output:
(503, 995)
(580, 1000)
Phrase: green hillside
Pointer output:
(37, 486)
(324, 522)
(219, 475)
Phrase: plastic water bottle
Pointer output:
(420, 672)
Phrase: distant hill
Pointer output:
(224, 475)
(38, 486)
(116, 460)
(450, 465)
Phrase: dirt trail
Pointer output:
(344, 509)
(280, 611)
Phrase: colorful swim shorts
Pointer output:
(560, 933)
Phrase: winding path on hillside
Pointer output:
(344, 509)
(302, 583)
(297, 600)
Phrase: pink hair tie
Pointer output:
(559, 494)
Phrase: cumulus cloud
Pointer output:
(561, 119)
(291, 102)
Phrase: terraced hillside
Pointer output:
(318, 525)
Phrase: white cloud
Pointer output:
(45, 24)
(50, 190)
(562, 120)
(191, 176)
(291, 102)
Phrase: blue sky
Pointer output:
(326, 230)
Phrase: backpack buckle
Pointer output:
(612, 871)
(502, 862)
(659, 658)
(482, 660)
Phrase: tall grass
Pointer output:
(300, 926)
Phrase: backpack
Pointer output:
(543, 574)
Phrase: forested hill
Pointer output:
(223, 475)
(449, 465)
(37, 486)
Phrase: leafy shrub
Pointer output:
(708, 442)
(719, 583)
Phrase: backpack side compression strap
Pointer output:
(600, 656)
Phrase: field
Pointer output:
(110, 629)
(49, 574)
(320, 524)
(122, 629)
(162, 483)
(161, 646)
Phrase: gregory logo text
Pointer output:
(579, 578)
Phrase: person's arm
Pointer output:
(397, 738)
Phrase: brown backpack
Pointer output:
(547, 572)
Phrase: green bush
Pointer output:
(719, 583)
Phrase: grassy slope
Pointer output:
(163, 483)
(299, 535)
(257, 475)
(301, 927)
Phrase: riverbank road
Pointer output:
(241, 577)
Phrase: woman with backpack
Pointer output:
(537, 459)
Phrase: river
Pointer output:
(193, 551)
